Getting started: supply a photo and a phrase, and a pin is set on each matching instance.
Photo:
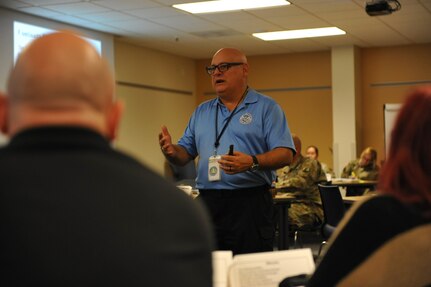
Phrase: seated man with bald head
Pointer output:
(301, 178)
(75, 212)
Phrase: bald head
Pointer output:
(58, 70)
(60, 79)
(231, 55)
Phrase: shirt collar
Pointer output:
(250, 98)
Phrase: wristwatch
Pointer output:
(255, 165)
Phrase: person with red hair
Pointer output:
(407, 172)
(403, 203)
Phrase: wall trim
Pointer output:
(405, 83)
(154, 88)
(291, 89)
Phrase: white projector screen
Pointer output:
(24, 33)
(103, 42)
(390, 114)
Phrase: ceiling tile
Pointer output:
(124, 5)
(142, 27)
(328, 6)
(187, 23)
(13, 4)
(77, 8)
(49, 2)
(294, 22)
(247, 26)
(159, 12)
(252, 45)
(284, 11)
(341, 40)
(43, 12)
(301, 45)
(107, 17)
(228, 16)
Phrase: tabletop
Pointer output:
(353, 182)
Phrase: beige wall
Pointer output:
(164, 96)
(388, 74)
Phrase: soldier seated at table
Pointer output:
(364, 168)
(301, 178)
(313, 152)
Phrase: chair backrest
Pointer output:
(332, 203)
(402, 261)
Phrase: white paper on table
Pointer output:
(268, 269)
(221, 261)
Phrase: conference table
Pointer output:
(283, 202)
(354, 187)
(352, 199)
(348, 182)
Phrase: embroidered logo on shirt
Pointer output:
(246, 119)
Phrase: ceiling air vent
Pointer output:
(216, 34)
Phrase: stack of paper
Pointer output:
(265, 269)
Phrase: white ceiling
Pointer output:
(155, 24)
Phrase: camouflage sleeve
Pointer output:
(372, 174)
(291, 182)
(309, 173)
(297, 182)
(347, 170)
(281, 172)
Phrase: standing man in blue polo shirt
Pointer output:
(235, 185)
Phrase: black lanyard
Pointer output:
(217, 141)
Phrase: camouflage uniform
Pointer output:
(368, 172)
(301, 178)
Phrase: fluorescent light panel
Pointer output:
(298, 34)
(228, 5)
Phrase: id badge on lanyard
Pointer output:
(214, 168)
(214, 173)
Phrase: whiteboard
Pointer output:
(390, 114)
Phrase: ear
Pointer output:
(113, 120)
(245, 69)
(3, 114)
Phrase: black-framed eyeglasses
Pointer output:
(222, 67)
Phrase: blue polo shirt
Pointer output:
(257, 126)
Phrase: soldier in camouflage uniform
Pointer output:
(313, 152)
(363, 168)
(301, 178)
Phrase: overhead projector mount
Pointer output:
(382, 7)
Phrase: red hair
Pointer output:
(406, 174)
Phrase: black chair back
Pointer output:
(333, 208)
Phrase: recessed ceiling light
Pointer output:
(228, 5)
(297, 34)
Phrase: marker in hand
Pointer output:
(230, 150)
